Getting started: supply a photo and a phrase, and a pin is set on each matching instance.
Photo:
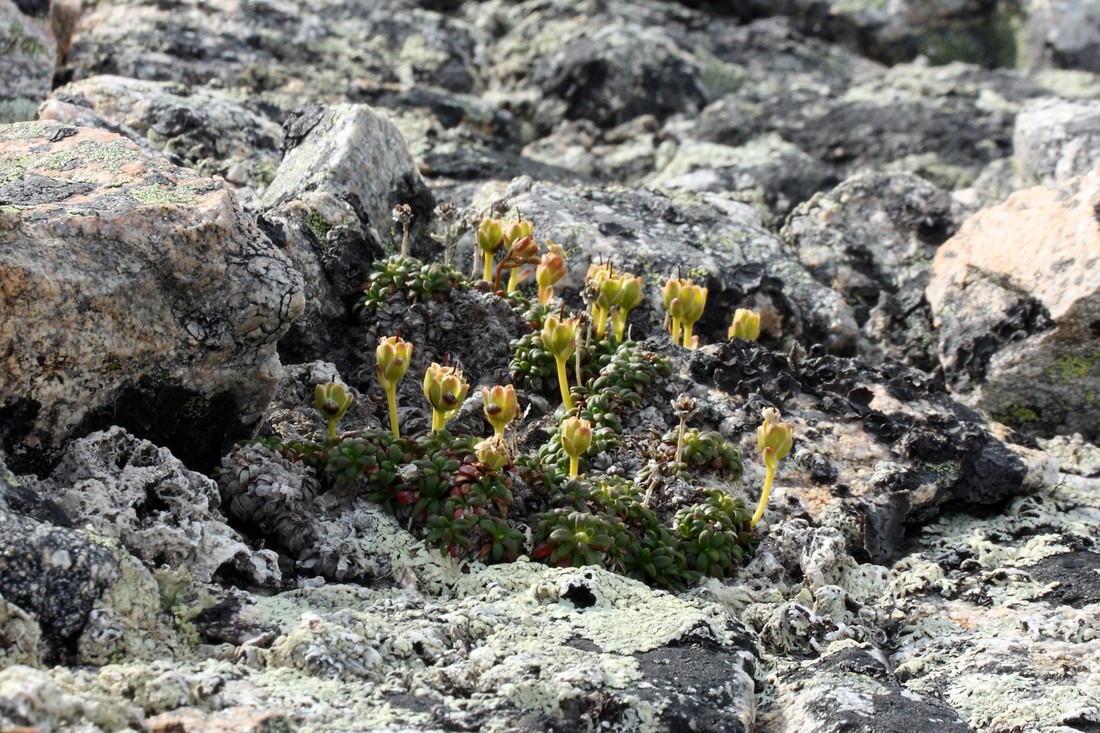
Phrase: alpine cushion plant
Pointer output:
(775, 440)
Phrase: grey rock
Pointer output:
(165, 515)
(1064, 34)
(163, 314)
(941, 30)
(89, 601)
(324, 238)
(357, 155)
(291, 52)
(766, 172)
(28, 53)
(1056, 140)
(872, 239)
(919, 448)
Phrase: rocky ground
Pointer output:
(195, 194)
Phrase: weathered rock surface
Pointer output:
(1015, 298)
(132, 491)
(28, 53)
(134, 292)
(204, 129)
(871, 239)
(68, 595)
(357, 155)
(919, 567)
(1056, 140)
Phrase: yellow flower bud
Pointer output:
(576, 439)
(517, 229)
(746, 324)
(501, 406)
(550, 270)
(631, 293)
(393, 354)
(444, 388)
(559, 336)
(490, 236)
(332, 400)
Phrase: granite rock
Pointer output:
(200, 128)
(159, 309)
(1014, 297)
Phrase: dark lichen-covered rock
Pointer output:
(89, 601)
(853, 689)
(134, 292)
(325, 239)
(872, 239)
(1015, 297)
(1063, 34)
(917, 448)
(614, 73)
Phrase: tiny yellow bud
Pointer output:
(393, 354)
(501, 406)
(490, 235)
(576, 436)
(775, 439)
(746, 324)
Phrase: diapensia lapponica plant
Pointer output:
(455, 490)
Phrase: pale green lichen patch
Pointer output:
(162, 194)
(111, 155)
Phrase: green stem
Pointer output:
(391, 400)
(488, 275)
(601, 320)
(574, 466)
(513, 280)
(438, 423)
(687, 334)
(618, 322)
(563, 385)
(675, 331)
(332, 430)
(769, 476)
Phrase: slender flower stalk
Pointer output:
(559, 336)
(775, 440)
(393, 354)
